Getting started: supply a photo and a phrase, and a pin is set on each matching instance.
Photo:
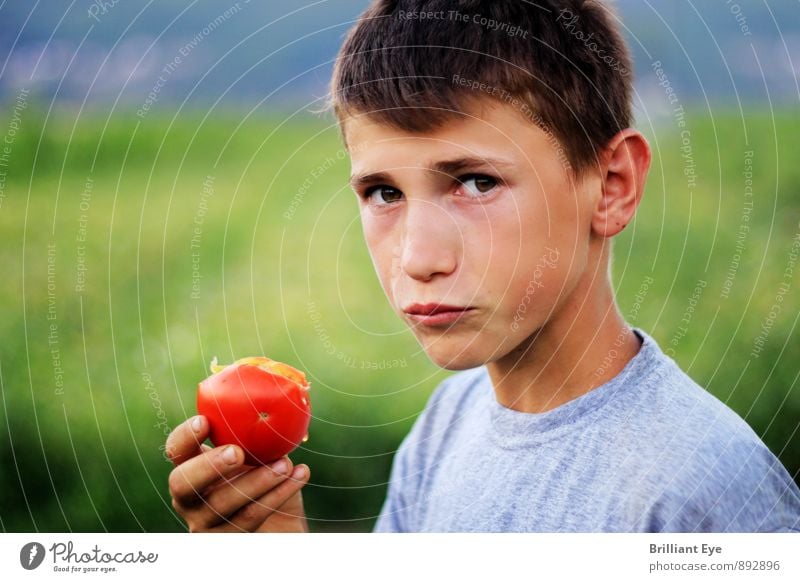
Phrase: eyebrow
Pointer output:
(448, 167)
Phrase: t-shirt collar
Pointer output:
(511, 427)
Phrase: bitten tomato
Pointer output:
(256, 403)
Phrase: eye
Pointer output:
(478, 184)
(385, 195)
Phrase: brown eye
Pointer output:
(478, 183)
(386, 194)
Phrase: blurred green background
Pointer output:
(92, 377)
(217, 222)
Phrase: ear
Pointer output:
(624, 171)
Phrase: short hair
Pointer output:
(415, 64)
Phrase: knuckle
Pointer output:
(212, 509)
(177, 483)
(253, 512)
(205, 464)
(283, 489)
(172, 483)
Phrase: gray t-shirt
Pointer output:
(648, 451)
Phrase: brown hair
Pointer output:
(412, 63)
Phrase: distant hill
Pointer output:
(245, 52)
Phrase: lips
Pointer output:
(436, 314)
(432, 308)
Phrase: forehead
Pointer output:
(490, 130)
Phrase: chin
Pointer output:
(455, 357)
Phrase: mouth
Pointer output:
(436, 313)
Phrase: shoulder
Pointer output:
(716, 473)
(672, 407)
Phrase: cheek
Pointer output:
(384, 252)
(538, 288)
(531, 261)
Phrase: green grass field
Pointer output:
(135, 250)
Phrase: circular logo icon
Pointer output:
(31, 555)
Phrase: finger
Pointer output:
(276, 511)
(252, 515)
(189, 480)
(289, 518)
(230, 496)
(185, 441)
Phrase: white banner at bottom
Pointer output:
(355, 557)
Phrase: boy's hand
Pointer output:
(213, 491)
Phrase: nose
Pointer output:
(431, 241)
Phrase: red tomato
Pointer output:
(256, 403)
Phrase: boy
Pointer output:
(494, 162)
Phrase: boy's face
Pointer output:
(479, 214)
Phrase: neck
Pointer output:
(583, 346)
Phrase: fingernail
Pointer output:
(197, 424)
(299, 472)
(229, 455)
(279, 466)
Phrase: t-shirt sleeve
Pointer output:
(396, 513)
(745, 488)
